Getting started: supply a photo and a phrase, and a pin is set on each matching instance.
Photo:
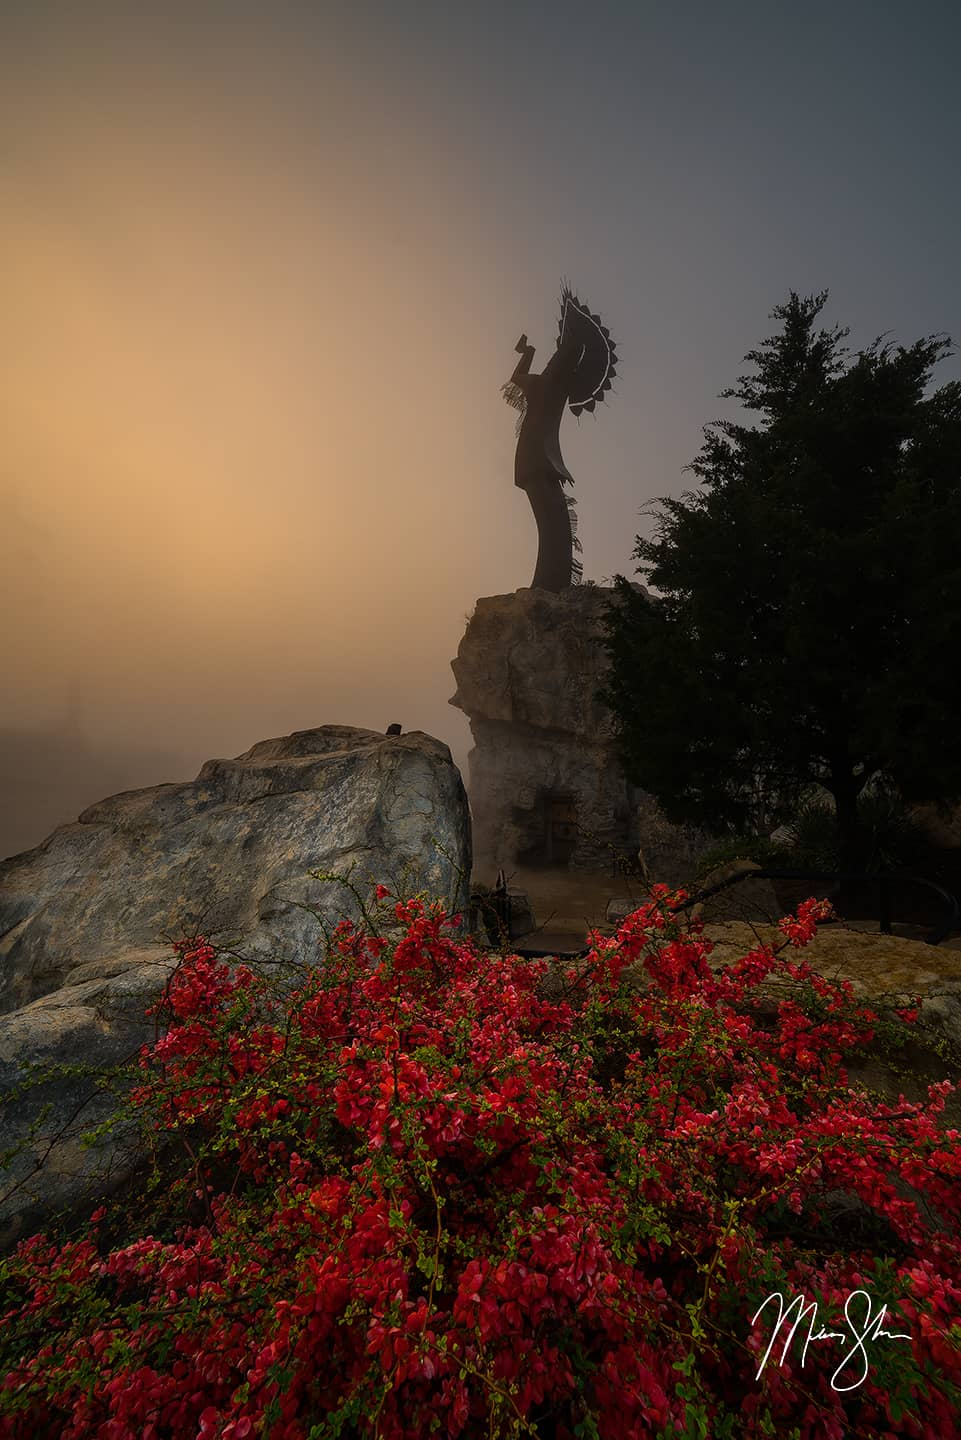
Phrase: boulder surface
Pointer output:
(87, 918)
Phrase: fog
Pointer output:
(263, 271)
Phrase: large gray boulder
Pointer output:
(229, 855)
(87, 918)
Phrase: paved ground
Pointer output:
(566, 904)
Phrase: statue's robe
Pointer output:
(539, 467)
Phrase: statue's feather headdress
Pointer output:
(595, 368)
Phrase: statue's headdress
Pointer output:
(595, 368)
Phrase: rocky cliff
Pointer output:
(545, 783)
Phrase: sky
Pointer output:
(263, 270)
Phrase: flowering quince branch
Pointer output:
(421, 1192)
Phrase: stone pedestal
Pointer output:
(546, 787)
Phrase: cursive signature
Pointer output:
(860, 1335)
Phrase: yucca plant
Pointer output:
(887, 836)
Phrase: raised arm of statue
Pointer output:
(522, 370)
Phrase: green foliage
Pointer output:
(758, 848)
(809, 592)
(886, 838)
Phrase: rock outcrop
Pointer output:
(84, 918)
(876, 965)
(884, 972)
(753, 901)
(546, 786)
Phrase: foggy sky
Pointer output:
(263, 269)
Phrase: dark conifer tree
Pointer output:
(807, 628)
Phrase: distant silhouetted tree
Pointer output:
(808, 626)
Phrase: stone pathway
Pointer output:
(567, 904)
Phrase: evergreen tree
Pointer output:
(807, 628)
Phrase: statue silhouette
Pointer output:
(578, 374)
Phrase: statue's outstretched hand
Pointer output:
(521, 345)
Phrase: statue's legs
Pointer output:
(555, 544)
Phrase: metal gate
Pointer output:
(560, 829)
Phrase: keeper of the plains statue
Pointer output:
(578, 374)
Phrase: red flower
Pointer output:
(415, 1178)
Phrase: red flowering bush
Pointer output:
(432, 1191)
